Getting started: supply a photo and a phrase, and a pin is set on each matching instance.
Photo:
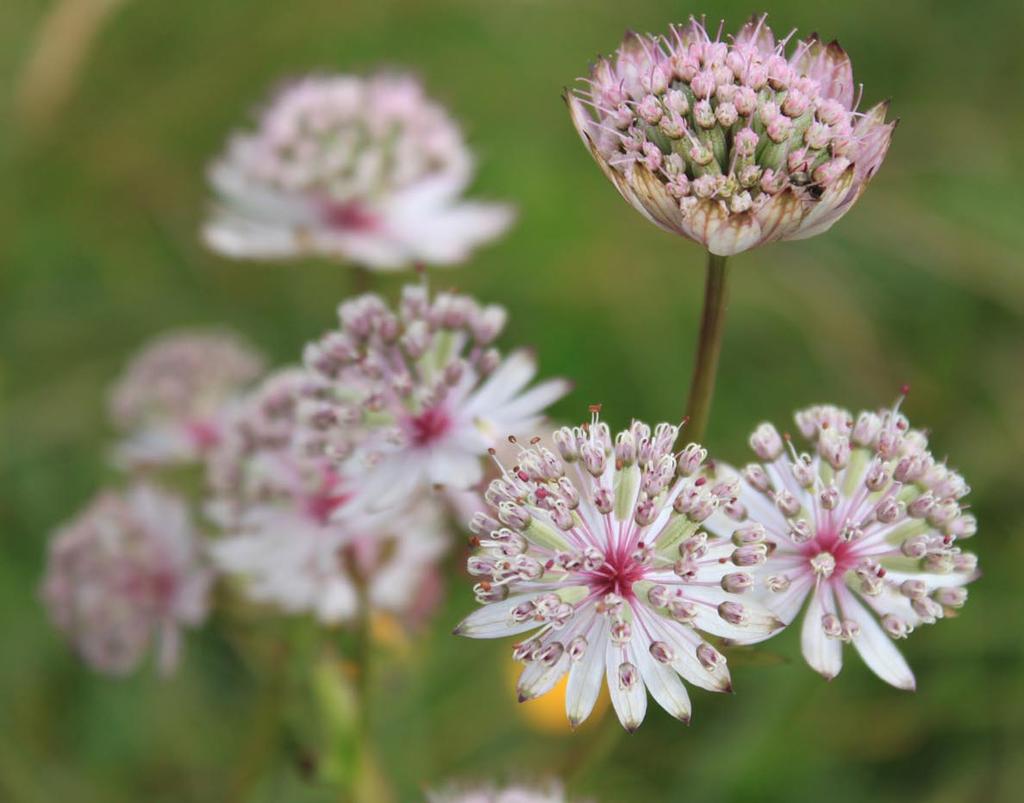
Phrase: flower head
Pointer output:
(550, 792)
(297, 532)
(731, 144)
(171, 399)
(364, 169)
(414, 397)
(600, 550)
(125, 573)
(864, 533)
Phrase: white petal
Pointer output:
(630, 704)
(586, 674)
(684, 642)
(493, 621)
(539, 678)
(454, 469)
(824, 654)
(507, 380)
(529, 404)
(875, 647)
(664, 685)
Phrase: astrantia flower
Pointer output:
(297, 532)
(550, 792)
(600, 551)
(864, 533)
(731, 144)
(124, 574)
(415, 397)
(171, 399)
(364, 169)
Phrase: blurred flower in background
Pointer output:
(171, 400)
(549, 792)
(415, 397)
(600, 552)
(298, 534)
(364, 170)
(731, 144)
(871, 515)
(125, 576)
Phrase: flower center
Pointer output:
(327, 499)
(348, 216)
(617, 576)
(828, 554)
(428, 427)
(204, 434)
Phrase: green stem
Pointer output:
(362, 280)
(709, 345)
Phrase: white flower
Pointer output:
(126, 572)
(368, 170)
(297, 533)
(415, 398)
(863, 535)
(604, 557)
(550, 792)
(172, 397)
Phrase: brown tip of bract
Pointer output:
(632, 728)
(522, 697)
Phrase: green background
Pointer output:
(921, 283)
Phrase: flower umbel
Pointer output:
(865, 531)
(415, 397)
(550, 792)
(171, 399)
(124, 573)
(296, 530)
(731, 144)
(363, 169)
(600, 550)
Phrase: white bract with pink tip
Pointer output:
(127, 574)
(600, 551)
(863, 533)
(297, 534)
(367, 170)
(731, 144)
(414, 397)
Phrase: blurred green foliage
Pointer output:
(922, 282)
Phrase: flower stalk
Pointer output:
(709, 346)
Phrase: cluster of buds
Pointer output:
(414, 397)
(366, 169)
(171, 400)
(296, 532)
(598, 547)
(127, 574)
(731, 144)
(868, 517)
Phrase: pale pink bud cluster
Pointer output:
(412, 397)
(731, 144)
(597, 549)
(369, 170)
(126, 575)
(864, 532)
(171, 399)
(296, 532)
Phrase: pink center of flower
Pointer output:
(327, 499)
(827, 555)
(616, 576)
(429, 426)
(204, 434)
(348, 216)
